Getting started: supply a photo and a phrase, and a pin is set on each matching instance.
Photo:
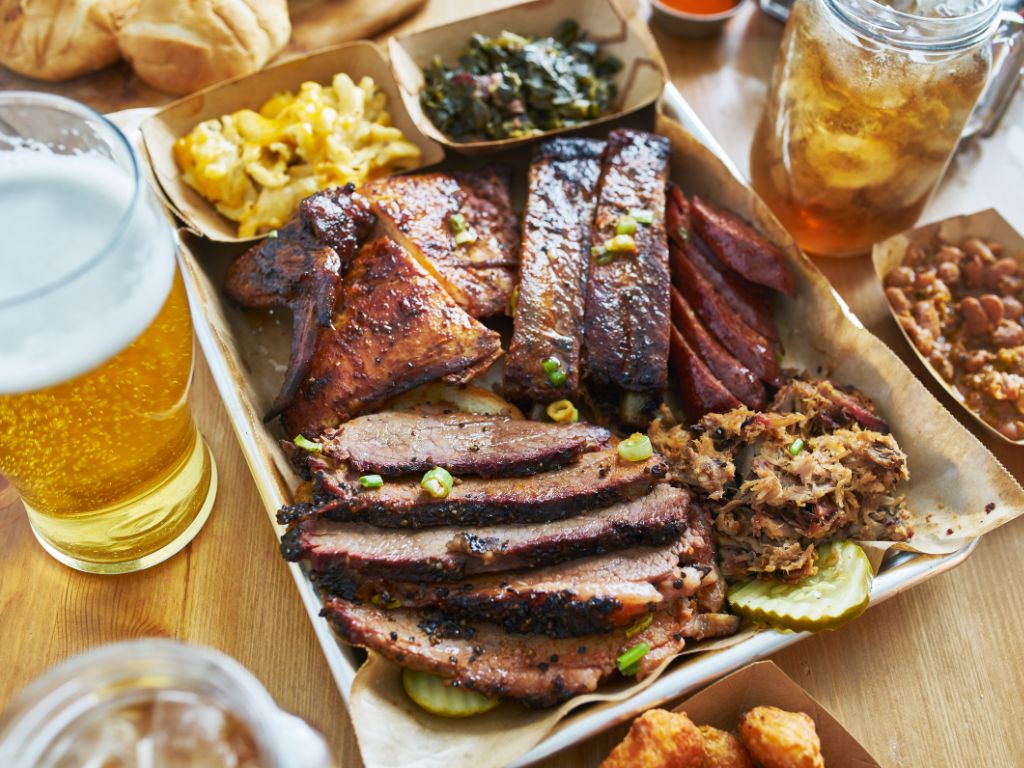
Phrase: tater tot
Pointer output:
(780, 739)
(659, 739)
(723, 750)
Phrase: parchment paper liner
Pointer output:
(764, 684)
(611, 23)
(159, 132)
(987, 224)
(953, 476)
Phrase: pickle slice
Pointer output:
(431, 694)
(839, 592)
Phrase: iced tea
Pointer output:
(858, 129)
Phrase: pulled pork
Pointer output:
(818, 466)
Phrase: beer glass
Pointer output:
(866, 106)
(96, 345)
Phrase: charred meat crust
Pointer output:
(627, 309)
(440, 554)
(300, 268)
(417, 211)
(555, 265)
(733, 375)
(594, 480)
(393, 328)
(397, 443)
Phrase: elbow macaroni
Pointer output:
(256, 167)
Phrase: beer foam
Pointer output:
(73, 295)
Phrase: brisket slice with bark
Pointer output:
(395, 443)
(594, 480)
(451, 553)
(535, 669)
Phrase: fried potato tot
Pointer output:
(780, 739)
(659, 739)
(723, 750)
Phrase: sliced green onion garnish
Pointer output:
(796, 446)
(307, 445)
(465, 236)
(640, 625)
(684, 234)
(636, 447)
(557, 378)
(621, 244)
(642, 215)
(457, 222)
(437, 482)
(551, 364)
(371, 481)
(626, 225)
(600, 254)
(272, 234)
(514, 301)
(628, 663)
(563, 411)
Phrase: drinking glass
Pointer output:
(154, 702)
(96, 345)
(866, 106)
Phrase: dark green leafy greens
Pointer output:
(511, 86)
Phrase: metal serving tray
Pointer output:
(898, 573)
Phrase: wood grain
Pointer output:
(933, 677)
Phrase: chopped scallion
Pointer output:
(551, 364)
(371, 481)
(621, 244)
(626, 225)
(640, 625)
(636, 447)
(563, 411)
(457, 222)
(272, 234)
(307, 445)
(684, 234)
(642, 215)
(796, 446)
(557, 378)
(514, 301)
(629, 662)
(467, 235)
(437, 482)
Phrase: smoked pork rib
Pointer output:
(417, 211)
(594, 480)
(394, 327)
(400, 442)
(300, 269)
(554, 266)
(537, 670)
(594, 594)
(449, 553)
(627, 308)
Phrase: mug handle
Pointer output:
(1007, 63)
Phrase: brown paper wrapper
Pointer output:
(611, 23)
(764, 684)
(988, 225)
(953, 478)
(159, 132)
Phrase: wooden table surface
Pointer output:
(932, 677)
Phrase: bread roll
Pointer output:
(58, 39)
(180, 46)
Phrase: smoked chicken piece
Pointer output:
(581, 597)
(555, 264)
(393, 328)
(699, 390)
(735, 376)
(451, 553)
(594, 480)
(749, 347)
(426, 212)
(742, 248)
(743, 296)
(400, 442)
(627, 310)
(300, 269)
(538, 670)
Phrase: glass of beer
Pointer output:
(866, 106)
(96, 346)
